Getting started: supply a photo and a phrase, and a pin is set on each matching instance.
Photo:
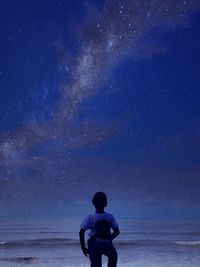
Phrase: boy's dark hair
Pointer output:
(99, 199)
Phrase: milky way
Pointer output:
(52, 164)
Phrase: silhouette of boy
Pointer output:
(100, 239)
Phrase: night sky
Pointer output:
(99, 96)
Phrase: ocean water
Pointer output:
(152, 243)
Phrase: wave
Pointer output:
(39, 242)
(21, 259)
(36, 232)
(188, 243)
(59, 242)
(158, 243)
(163, 233)
(128, 233)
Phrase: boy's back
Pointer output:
(99, 224)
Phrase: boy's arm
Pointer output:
(82, 241)
(115, 233)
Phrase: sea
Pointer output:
(141, 243)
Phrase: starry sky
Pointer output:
(99, 96)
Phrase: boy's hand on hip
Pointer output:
(85, 251)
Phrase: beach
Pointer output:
(142, 242)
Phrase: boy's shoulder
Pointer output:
(109, 214)
(96, 215)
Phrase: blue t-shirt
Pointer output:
(92, 222)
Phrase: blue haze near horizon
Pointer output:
(99, 96)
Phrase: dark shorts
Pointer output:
(100, 247)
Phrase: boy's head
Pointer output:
(99, 200)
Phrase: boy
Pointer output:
(100, 236)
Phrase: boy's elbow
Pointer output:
(117, 232)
